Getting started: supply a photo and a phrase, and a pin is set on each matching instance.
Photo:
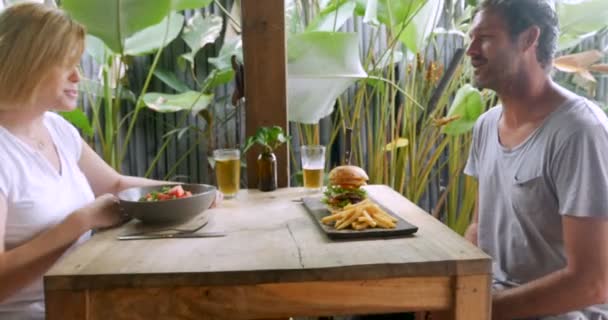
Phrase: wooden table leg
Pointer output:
(472, 298)
(66, 305)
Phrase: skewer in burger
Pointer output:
(345, 187)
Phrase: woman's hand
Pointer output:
(104, 212)
(218, 199)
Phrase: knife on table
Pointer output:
(173, 236)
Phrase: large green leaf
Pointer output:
(323, 3)
(371, 13)
(389, 12)
(79, 119)
(321, 66)
(422, 25)
(468, 106)
(217, 78)
(568, 41)
(96, 49)
(199, 32)
(189, 4)
(96, 89)
(170, 79)
(223, 59)
(154, 37)
(191, 100)
(389, 59)
(113, 21)
(580, 19)
(333, 19)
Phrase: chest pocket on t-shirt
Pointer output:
(530, 193)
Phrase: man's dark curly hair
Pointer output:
(522, 14)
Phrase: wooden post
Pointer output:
(263, 25)
(472, 299)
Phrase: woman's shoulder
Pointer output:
(56, 121)
(65, 132)
(8, 156)
(60, 125)
(7, 144)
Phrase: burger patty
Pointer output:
(337, 196)
(353, 197)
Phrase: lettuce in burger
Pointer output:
(345, 186)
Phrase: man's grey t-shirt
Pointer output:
(560, 169)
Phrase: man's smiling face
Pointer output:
(493, 53)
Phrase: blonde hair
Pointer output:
(34, 38)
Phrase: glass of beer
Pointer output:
(313, 166)
(228, 171)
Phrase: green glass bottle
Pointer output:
(267, 171)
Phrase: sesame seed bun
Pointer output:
(348, 176)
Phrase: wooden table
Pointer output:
(274, 263)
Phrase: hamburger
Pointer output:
(344, 187)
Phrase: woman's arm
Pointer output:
(104, 179)
(24, 264)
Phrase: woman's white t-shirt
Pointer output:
(39, 197)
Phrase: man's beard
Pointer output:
(479, 84)
(484, 83)
(497, 78)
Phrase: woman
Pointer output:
(54, 188)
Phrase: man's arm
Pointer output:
(581, 283)
(471, 233)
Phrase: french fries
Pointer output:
(360, 216)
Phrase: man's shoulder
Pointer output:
(492, 114)
(580, 114)
(576, 120)
(488, 119)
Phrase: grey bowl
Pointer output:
(167, 211)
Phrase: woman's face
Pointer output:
(59, 89)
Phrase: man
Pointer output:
(541, 159)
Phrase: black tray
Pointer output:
(318, 210)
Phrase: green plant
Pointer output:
(581, 21)
(269, 138)
(581, 65)
(402, 142)
(117, 36)
(406, 140)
